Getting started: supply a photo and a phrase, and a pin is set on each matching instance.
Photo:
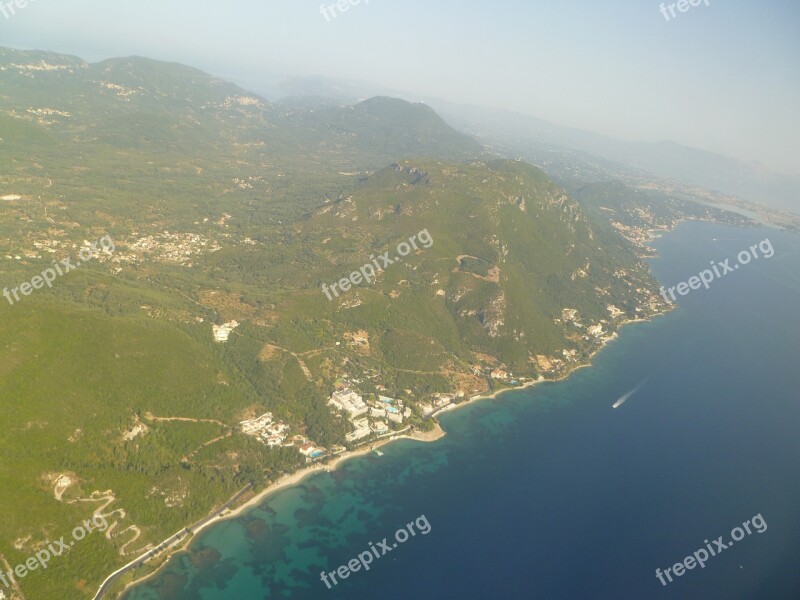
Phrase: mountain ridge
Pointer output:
(228, 215)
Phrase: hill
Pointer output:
(228, 213)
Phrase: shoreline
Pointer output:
(564, 376)
(292, 479)
(437, 433)
(283, 482)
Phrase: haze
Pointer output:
(723, 77)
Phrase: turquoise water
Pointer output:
(551, 493)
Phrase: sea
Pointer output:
(551, 493)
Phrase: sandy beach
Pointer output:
(295, 478)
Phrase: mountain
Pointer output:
(205, 135)
(564, 150)
(540, 140)
(127, 382)
(511, 250)
(345, 92)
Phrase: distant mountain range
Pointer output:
(533, 137)
(536, 139)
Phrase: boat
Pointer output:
(627, 395)
(622, 399)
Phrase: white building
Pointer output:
(442, 400)
(361, 431)
(256, 426)
(395, 417)
(349, 401)
(595, 330)
(221, 332)
(380, 427)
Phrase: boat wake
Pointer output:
(627, 395)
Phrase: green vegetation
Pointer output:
(225, 207)
(649, 209)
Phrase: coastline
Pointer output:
(564, 376)
(291, 479)
(437, 433)
(285, 481)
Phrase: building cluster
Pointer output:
(500, 373)
(348, 401)
(570, 315)
(247, 183)
(494, 371)
(120, 91)
(640, 236)
(276, 433)
(369, 418)
(40, 66)
(44, 116)
(175, 247)
(594, 330)
(50, 245)
(306, 447)
(53, 246)
(270, 432)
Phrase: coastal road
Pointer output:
(168, 543)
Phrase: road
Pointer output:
(169, 542)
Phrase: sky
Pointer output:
(722, 76)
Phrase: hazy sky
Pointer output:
(723, 77)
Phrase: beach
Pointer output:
(288, 480)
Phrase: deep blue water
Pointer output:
(551, 493)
